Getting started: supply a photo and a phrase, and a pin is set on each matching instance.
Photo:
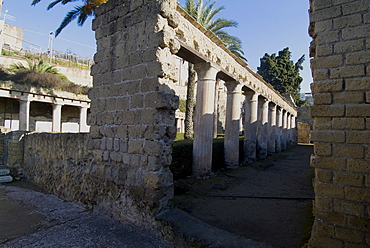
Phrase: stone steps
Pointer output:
(4, 176)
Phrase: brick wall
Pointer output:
(341, 68)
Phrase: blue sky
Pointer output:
(265, 26)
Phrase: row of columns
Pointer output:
(267, 127)
(24, 116)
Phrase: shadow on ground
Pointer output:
(268, 201)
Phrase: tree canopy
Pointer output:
(282, 73)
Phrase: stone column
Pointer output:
(83, 120)
(262, 141)
(293, 130)
(279, 130)
(272, 132)
(250, 126)
(284, 131)
(203, 124)
(288, 130)
(57, 117)
(231, 143)
(24, 114)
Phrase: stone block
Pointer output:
(357, 194)
(135, 146)
(330, 217)
(349, 235)
(368, 97)
(329, 190)
(116, 156)
(328, 136)
(358, 165)
(348, 123)
(358, 84)
(349, 71)
(348, 46)
(122, 103)
(153, 180)
(361, 57)
(323, 203)
(322, 123)
(348, 151)
(322, 99)
(325, 229)
(328, 163)
(351, 179)
(323, 50)
(327, 110)
(137, 101)
(323, 26)
(349, 207)
(362, 31)
(327, 86)
(325, 14)
(323, 149)
(122, 131)
(347, 21)
(327, 62)
(348, 97)
(355, 7)
(322, 74)
(325, 176)
(357, 110)
(153, 148)
(358, 137)
(328, 37)
(109, 144)
(136, 132)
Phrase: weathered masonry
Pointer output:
(341, 135)
(125, 169)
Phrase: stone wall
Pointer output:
(132, 108)
(341, 135)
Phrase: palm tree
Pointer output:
(37, 66)
(204, 13)
(81, 12)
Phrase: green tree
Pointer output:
(282, 73)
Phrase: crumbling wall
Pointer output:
(341, 135)
(125, 171)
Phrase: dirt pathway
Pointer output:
(267, 201)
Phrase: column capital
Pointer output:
(273, 107)
(251, 95)
(206, 71)
(233, 87)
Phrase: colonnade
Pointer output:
(268, 127)
(25, 100)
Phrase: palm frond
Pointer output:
(71, 15)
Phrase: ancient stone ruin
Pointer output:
(121, 167)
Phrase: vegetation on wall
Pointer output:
(40, 74)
